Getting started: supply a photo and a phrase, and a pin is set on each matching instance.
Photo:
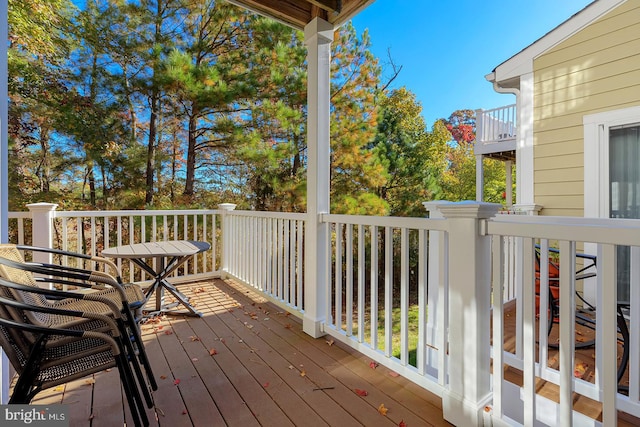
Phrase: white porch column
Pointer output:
(42, 226)
(524, 153)
(469, 312)
(318, 35)
(226, 244)
(479, 178)
(508, 166)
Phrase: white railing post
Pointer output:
(435, 280)
(226, 236)
(42, 215)
(318, 35)
(469, 388)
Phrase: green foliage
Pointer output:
(131, 104)
(413, 157)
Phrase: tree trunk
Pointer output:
(191, 155)
(151, 150)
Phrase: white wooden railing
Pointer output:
(531, 353)
(399, 287)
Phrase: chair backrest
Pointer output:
(13, 342)
(14, 273)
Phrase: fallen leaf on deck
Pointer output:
(92, 416)
(160, 327)
(580, 369)
(402, 424)
(177, 381)
(198, 291)
(168, 332)
(184, 412)
(163, 377)
(287, 326)
(89, 381)
(265, 385)
(373, 365)
(290, 366)
(194, 338)
(303, 373)
(382, 409)
(361, 392)
(195, 359)
(394, 374)
(212, 352)
(222, 340)
(266, 318)
(330, 342)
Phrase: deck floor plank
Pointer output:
(177, 346)
(285, 375)
(108, 404)
(354, 368)
(169, 407)
(267, 396)
(318, 370)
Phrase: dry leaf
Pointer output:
(177, 381)
(222, 340)
(580, 369)
(212, 352)
(163, 377)
(373, 365)
(330, 342)
(195, 359)
(382, 409)
(184, 412)
(287, 326)
(194, 338)
(303, 373)
(265, 385)
(168, 332)
(402, 424)
(394, 374)
(361, 392)
(89, 381)
(92, 416)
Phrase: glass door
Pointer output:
(624, 190)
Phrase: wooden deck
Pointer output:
(265, 372)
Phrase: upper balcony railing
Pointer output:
(496, 130)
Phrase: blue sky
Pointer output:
(446, 48)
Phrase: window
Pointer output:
(612, 174)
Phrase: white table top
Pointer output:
(157, 249)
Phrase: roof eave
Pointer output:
(522, 62)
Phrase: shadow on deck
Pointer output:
(248, 363)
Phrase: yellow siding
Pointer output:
(595, 70)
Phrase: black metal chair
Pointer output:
(127, 298)
(586, 314)
(45, 356)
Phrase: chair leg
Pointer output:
(24, 389)
(142, 354)
(129, 353)
(131, 392)
(624, 331)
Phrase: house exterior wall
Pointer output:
(595, 70)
